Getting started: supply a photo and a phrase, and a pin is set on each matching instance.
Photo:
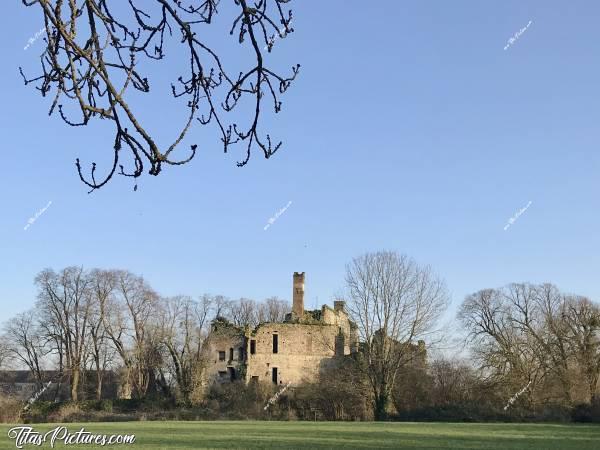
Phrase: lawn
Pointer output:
(309, 435)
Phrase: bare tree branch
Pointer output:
(96, 49)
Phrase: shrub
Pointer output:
(587, 412)
(40, 411)
(68, 412)
(10, 410)
(239, 400)
(96, 405)
(105, 406)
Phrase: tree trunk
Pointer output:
(75, 384)
(381, 403)
(125, 385)
(98, 384)
(592, 384)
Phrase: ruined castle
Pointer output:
(292, 351)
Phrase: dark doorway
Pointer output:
(275, 375)
(231, 373)
(340, 344)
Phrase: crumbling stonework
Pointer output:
(292, 351)
(225, 352)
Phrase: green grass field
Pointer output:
(308, 435)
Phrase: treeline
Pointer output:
(533, 351)
(534, 355)
(86, 324)
(535, 335)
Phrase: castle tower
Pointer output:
(298, 295)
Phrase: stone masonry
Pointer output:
(294, 350)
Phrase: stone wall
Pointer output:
(295, 350)
(225, 354)
(339, 317)
(302, 351)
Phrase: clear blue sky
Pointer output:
(409, 129)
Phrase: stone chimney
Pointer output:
(339, 305)
(298, 295)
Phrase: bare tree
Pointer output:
(395, 303)
(551, 334)
(243, 312)
(582, 317)
(54, 339)
(130, 323)
(507, 354)
(25, 344)
(452, 382)
(526, 333)
(183, 333)
(96, 50)
(64, 300)
(220, 304)
(103, 284)
(117, 326)
(4, 351)
(273, 309)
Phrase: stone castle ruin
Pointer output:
(292, 351)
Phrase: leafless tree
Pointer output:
(183, 333)
(117, 326)
(219, 304)
(54, 339)
(452, 382)
(25, 344)
(243, 312)
(96, 51)
(131, 324)
(64, 300)
(582, 318)
(273, 309)
(102, 286)
(525, 333)
(395, 303)
(507, 354)
(552, 334)
(4, 351)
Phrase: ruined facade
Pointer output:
(292, 351)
